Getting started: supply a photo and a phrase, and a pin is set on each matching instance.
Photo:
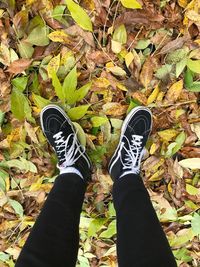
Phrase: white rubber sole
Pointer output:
(125, 123)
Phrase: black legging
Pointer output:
(54, 239)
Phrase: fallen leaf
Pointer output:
(19, 65)
(191, 163)
(174, 92)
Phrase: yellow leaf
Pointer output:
(174, 91)
(117, 71)
(36, 186)
(101, 82)
(31, 132)
(169, 187)
(116, 47)
(153, 95)
(59, 36)
(131, 4)
(157, 176)
(53, 65)
(193, 15)
(153, 148)
(129, 58)
(168, 135)
(122, 87)
(182, 3)
(160, 97)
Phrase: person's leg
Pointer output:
(54, 239)
(141, 241)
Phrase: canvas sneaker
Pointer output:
(130, 150)
(62, 136)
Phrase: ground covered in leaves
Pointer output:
(98, 59)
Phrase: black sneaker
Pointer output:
(134, 134)
(60, 133)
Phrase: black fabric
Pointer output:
(141, 241)
(54, 239)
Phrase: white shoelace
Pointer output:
(67, 153)
(134, 153)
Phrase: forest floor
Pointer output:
(98, 59)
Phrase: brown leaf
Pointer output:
(99, 57)
(173, 45)
(190, 152)
(143, 17)
(86, 35)
(19, 65)
(140, 97)
(146, 74)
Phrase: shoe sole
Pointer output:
(68, 120)
(123, 129)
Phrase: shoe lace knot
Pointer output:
(133, 155)
(68, 152)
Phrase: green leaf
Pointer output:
(177, 55)
(120, 34)
(195, 87)
(79, 15)
(21, 164)
(176, 146)
(3, 176)
(111, 230)
(19, 105)
(39, 101)
(180, 240)
(82, 92)
(69, 86)
(192, 190)
(20, 83)
(77, 112)
(2, 116)
(194, 65)
(142, 44)
(80, 134)
(26, 49)
(58, 14)
(180, 66)
(97, 154)
(169, 215)
(188, 78)
(58, 87)
(97, 121)
(182, 254)
(163, 72)
(95, 226)
(195, 223)
(4, 257)
(131, 4)
(16, 206)
(38, 36)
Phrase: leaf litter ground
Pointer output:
(98, 60)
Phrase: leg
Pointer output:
(54, 239)
(141, 241)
